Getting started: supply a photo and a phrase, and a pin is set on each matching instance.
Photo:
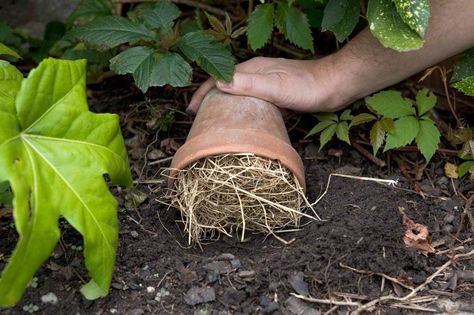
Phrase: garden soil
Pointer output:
(341, 258)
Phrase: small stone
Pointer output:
(50, 298)
(199, 295)
(117, 286)
(226, 256)
(212, 277)
(219, 267)
(296, 306)
(245, 274)
(449, 218)
(298, 284)
(235, 263)
(134, 234)
(150, 289)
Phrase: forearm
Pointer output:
(369, 66)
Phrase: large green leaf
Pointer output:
(406, 129)
(111, 31)
(390, 29)
(54, 155)
(463, 76)
(10, 82)
(90, 9)
(5, 50)
(294, 25)
(390, 104)
(209, 54)
(162, 16)
(427, 138)
(425, 100)
(260, 25)
(415, 14)
(341, 17)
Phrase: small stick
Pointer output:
(369, 156)
(324, 301)
(167, 159)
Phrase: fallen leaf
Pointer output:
(416, 235)
(451, 170)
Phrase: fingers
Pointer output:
(198, 96)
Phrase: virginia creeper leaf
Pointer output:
(5, 50)
(346, 115)
(319, 127)
(209, 54)
(54, 155)
(162, 16)
(260, 25)
(342, 132)
(387, 124)
(326, 135)
(390, 104)
(425, 100)
(389, 28)
(427, 138)
(110, 31)
(294, 25)
(406, 129)
(340, 17)
(415, 14)
(326, 116)
(362, 119)
(377, 136)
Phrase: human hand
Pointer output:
(299, 85)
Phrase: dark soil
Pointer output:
(158, 273)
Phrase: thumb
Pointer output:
(263, 86)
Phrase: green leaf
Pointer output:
(171, 69)
(377, 136)
(415, 14)
(465, 86)
(340, 17)
(91, 9)
(162, 16)
(406, 129)
(390, 104)
(319, 127)
(260, 25)
(54, 154)
(362, 119)
(425, 100)
(427, 138)
(5, 50)
(465, 167)
(326, 116)
(110, 31)
(6, 196)
(464, 67)
(294, 25)
(209, 54)
(342, 132)
(327, 135)
(388, 27)
(346, 115)
(387, 124)
(10, 82)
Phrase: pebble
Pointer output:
(298, 284)
(199, 295)
(150, 289)
(297, 306)
(449, 218)
(134, 234)
(50, 298)
(226, 256)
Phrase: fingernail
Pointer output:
(224, 85)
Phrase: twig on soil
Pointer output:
(164, 160)
(369, 156)
(324, 301)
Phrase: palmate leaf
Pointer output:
(293, 23)
(54, 153)
(390, 104)
(260, 25)
(320, 127)
(362, 119)
(150, 68)
(389, 28)
(377, 136)
(415, 14)
(427, 138)
(425, 100)
(342, 132)
(406, 129)
(110, 31)
(162, 16)
(340, 17)
(327, 135)
(209, 54)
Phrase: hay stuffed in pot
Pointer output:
(245, 192)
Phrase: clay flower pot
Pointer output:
(238, 124)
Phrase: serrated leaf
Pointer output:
(5, 50)
(171, 69)
(342, 132)
(215, 23)
(260, 25)
(91, 9)
(327, 135)
(326, 116)
(377, 136)
(54, 160)
(209, 54)
(162, 16)
(406, 129)
(387, 124)
(320, 127)
(388, 27)
(465, 167)
(346, 115)
(340, 17)
(294, 25)
(425, 100)
(110, 31)
(390, 104)
(415, 14)
(427, 138)
(362, 119)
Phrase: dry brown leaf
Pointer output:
(416, 235)
(451, 170)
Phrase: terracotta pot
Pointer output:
(238, 124)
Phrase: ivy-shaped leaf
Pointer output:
(294, 25)
(54, 153)
(463, 76)
(111, 31)
(425, 100)
(390, 29)
(406, 129)
(427, 138)
(209, 54)
(390, 104)
(340, 17)
(260, 25)
(415, 14)
(162, 16)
